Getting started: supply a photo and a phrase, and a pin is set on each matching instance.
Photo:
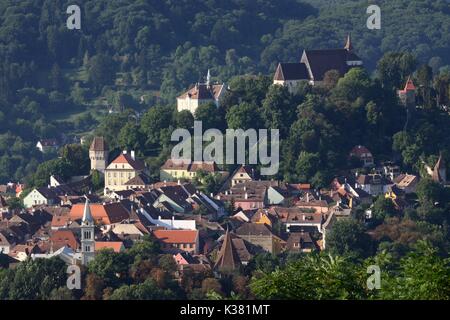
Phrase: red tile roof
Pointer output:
(126, 158)
(117, 246)
(102, 213)
(176, 236)
(63, 238)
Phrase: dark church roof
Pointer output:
(321, 61)
(315, 63)
(291, 71)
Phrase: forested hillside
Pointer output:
(58, 83)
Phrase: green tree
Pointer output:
(348, 236)
(393, 69)
(244, 116)
(101, 71)
(422, 275)
(312, 277)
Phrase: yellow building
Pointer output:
(179, 170)
(121, 170)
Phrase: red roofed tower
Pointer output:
(407, 96)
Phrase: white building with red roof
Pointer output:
(121, 170)
(200, 94)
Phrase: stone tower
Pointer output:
(98, 153)
(87, 235)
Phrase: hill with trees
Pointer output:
(133, 55)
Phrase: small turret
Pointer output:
(348, 44)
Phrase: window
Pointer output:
(87, 248)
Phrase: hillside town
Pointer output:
(217, 232)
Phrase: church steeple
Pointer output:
(87, 235)
(208, 78)
(87, 215)
(349, 45)
(227, 259)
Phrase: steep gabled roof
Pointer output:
(409, 85)
(127, 159)
(291, 71)
(321, 61)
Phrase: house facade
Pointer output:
(121, 170)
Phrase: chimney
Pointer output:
(304, 217)
(124, 151)
(179, 182)
(246, 195)
(226, 192)
(133, 156)
(307, 197)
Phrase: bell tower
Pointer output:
(87, 235)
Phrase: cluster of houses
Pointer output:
(219, 232)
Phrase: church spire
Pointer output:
(87, 216)
(208, 78)
(227, 259)
(349, 45)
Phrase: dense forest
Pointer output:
(131, 56)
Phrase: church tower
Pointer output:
(87, 235)
(98, 153)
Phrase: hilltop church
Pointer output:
(314, 64)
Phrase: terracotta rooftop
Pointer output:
(176, 236)
(127, 159)
(102, 213)
(117, 246)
